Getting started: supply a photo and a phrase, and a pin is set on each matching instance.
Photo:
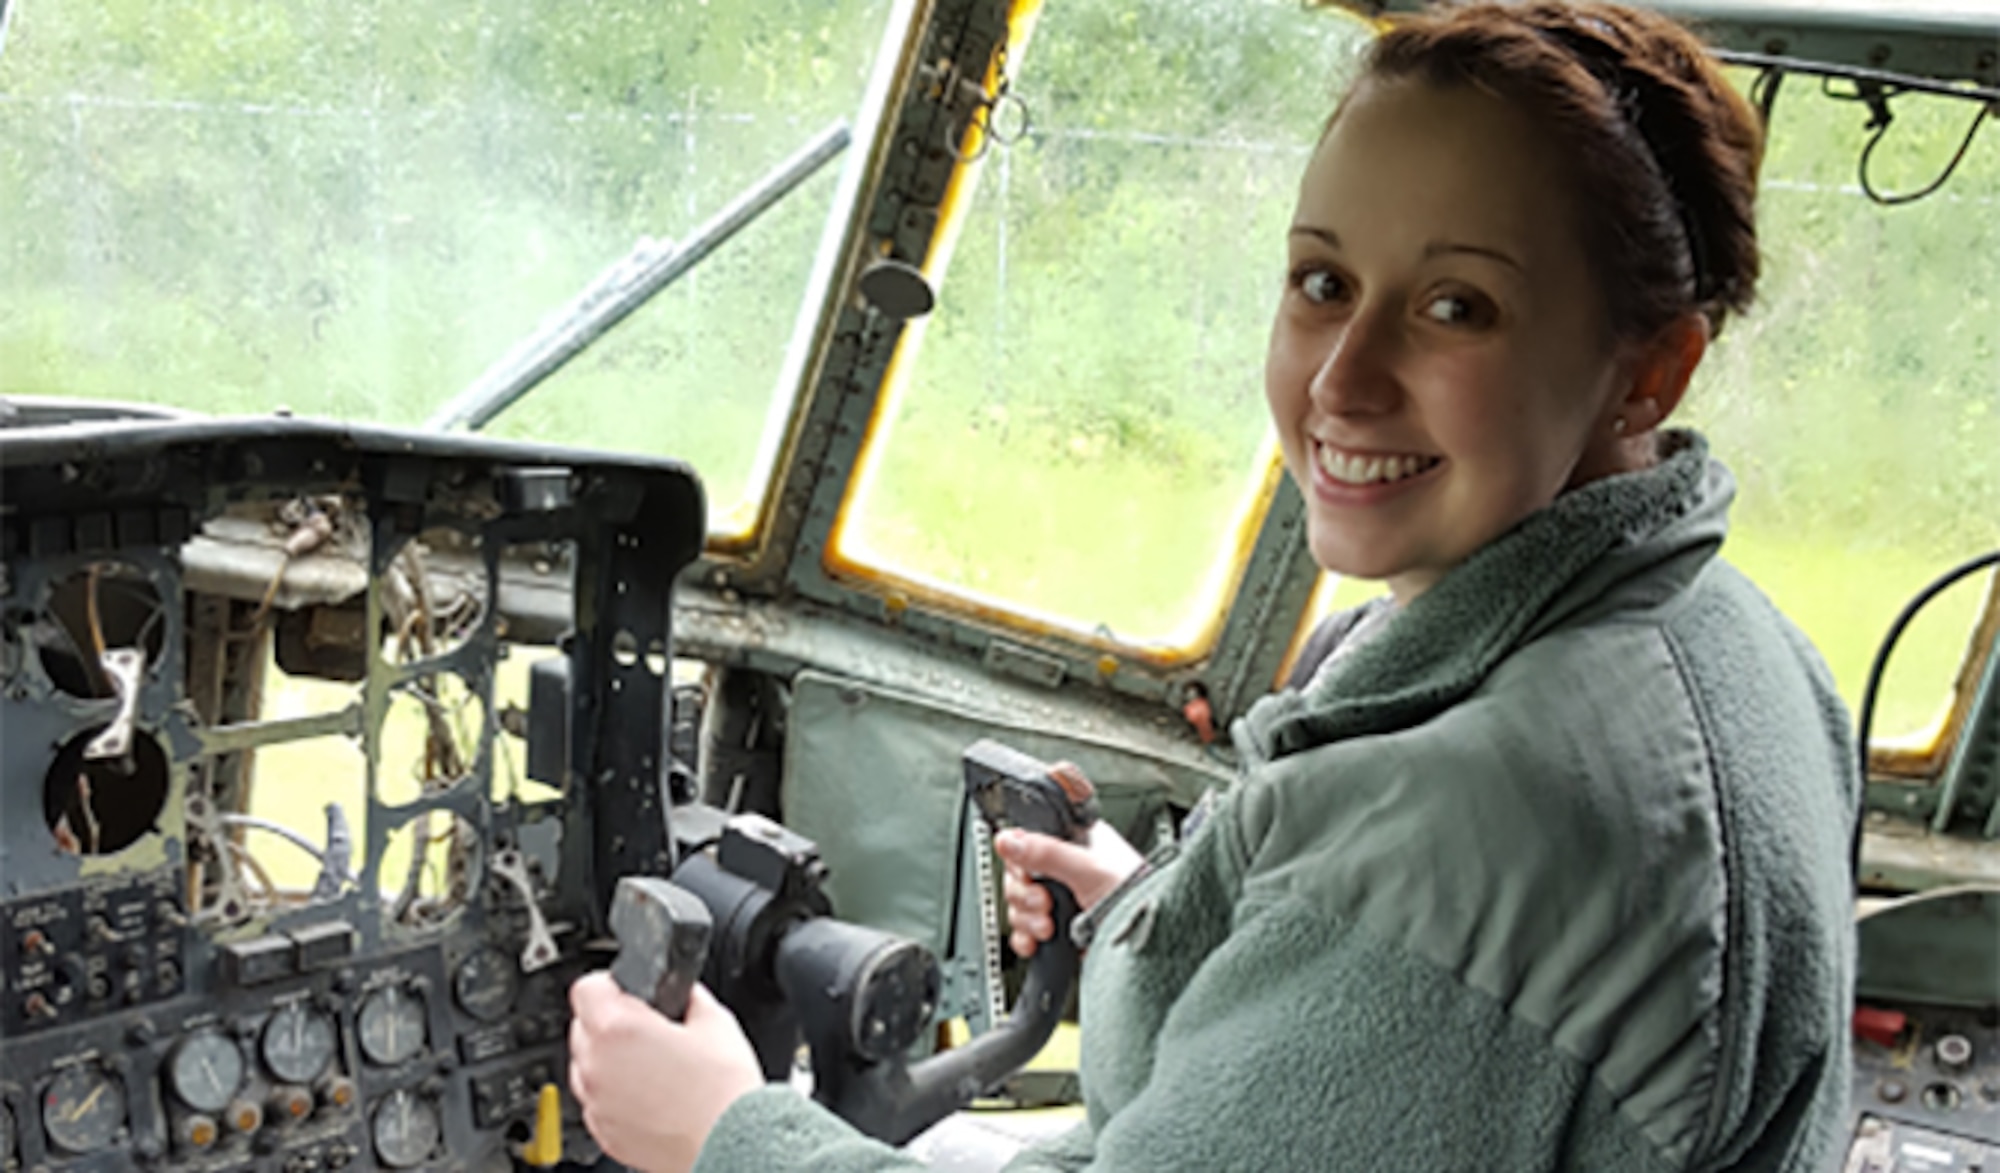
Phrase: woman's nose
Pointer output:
(1356, 374)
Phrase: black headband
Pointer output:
(1602, 58)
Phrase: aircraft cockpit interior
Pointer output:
(458, 467)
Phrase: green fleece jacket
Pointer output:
(1548, 874)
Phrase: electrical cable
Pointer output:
(1864, 724)
(1764, 92)
(93, 618)
(1909, 197)
(290, 836)
(256, 867)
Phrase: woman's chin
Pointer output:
(1342, 555)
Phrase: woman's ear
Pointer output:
(1661, 375)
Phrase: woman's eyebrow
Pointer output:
(1437, 248)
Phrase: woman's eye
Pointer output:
(1320, 286)
(1455, 309)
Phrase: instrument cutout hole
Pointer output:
(435, 729)
(99, 608)
(512, 699)
(427, 867)
(102, 806)
(625, 648)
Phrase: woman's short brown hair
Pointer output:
(1663, 151)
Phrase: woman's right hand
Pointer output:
(1091, 870)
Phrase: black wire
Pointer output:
(1864, 725)
(1764, 92)
(1909, 197)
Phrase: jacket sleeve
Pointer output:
(777, 1130)
(1306, 1044)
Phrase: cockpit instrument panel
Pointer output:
(289, 877)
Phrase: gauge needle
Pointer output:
(392, 1028)
(85, 1105)
(209, 1069)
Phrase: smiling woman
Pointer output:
(1497, 288)
(1563, 825)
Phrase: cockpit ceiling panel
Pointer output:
(1943, 40)
(1925, 17)
(1946, 17)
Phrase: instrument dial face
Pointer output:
(486, 983)
(298, 1044)
(206, 1070)
(392, 1026)
(406, 1129)
(84, 1109)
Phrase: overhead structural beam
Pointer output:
(1942, 40)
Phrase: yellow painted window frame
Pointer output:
(900, 591)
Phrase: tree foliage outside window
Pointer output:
(354, 209)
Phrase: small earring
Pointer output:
(1618, 426)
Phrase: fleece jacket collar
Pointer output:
(1627, 541)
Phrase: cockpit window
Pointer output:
(1079, 430)
(355, 210)
(1857, 403)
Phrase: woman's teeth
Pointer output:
(1368, 470)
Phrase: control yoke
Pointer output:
(750, 918)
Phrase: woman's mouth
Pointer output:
(1358, 469)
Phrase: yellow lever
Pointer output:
(544, 1148)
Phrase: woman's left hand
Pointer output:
(651, 1088)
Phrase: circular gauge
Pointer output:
(298, 1044)
(83, 1110)
(406, 1129)
(392, 1026)
(206, 1070)
(486, 983)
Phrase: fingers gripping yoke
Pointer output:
(662, 935)
(1012, 789)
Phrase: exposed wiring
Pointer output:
(270, 594)
(1865, 723)
(1876, 87)
(1877, 93)
(256, 823)
(1909, 197)
(93, 619)
(312, 525)
(255, 867)
(413, 875)
(1764, 92)
(85, 804)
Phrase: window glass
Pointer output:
(1082, 431)
(1857, 403)
(355, 209)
